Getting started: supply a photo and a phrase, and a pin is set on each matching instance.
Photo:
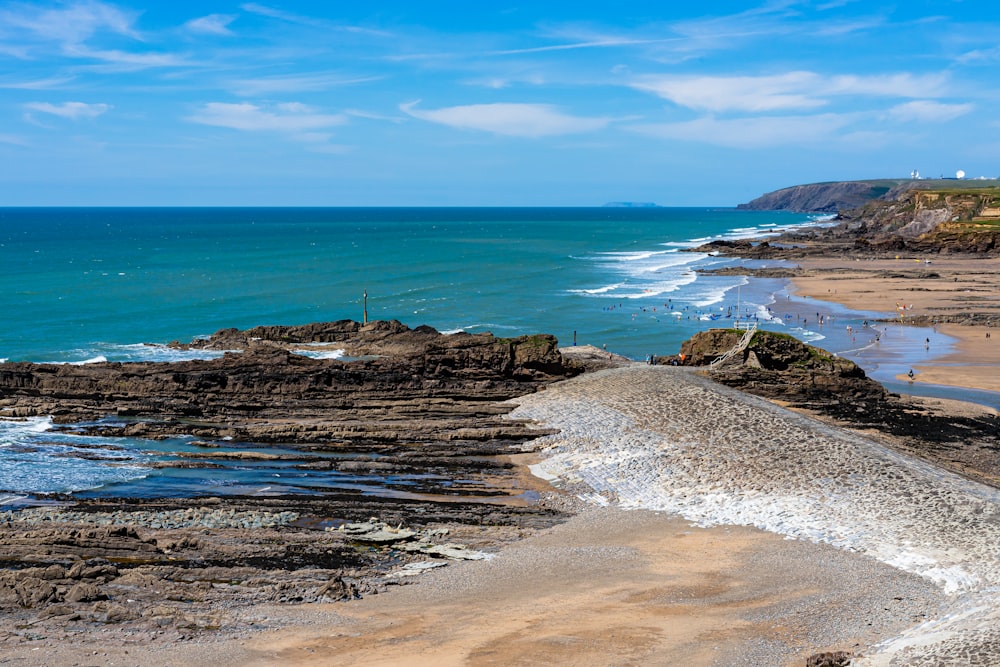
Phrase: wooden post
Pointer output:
(366, 308)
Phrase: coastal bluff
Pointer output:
(837, 196)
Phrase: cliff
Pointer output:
(822, 197)
(836, 196)
(939, 221)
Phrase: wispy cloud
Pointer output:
(117, 60)
(71, 28)
(295, 83)
(513, 120)
(213, 24)
(788, 91)
(71, 110)
(13, 140)
(290, 118)
(280, 14)
(794, 90)
(749, 133)
(37, 84)
(928, 111)
(604, 43)
(71, 23)
(289, 17)
(887, 85)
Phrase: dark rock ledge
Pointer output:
(414, 401)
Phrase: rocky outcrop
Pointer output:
(264, 391)
(411, 430)
(839, 196)
(781, 367)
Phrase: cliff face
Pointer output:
(927, 221)
(846, 195)
(821, 197)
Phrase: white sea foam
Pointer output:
(320, 354)
(152, 352)
(39, 459)
(483, 326)
(102, 352)
(99, 359)
(597, 290)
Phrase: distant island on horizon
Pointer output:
(631, 204)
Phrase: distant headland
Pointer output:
(835, 196)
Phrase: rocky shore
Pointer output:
(405, 401)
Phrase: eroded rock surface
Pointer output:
(414, 402)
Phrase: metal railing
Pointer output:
(751, 329)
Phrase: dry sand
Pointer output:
(610, 587)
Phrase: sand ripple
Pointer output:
(662, 438)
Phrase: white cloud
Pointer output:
(759, 132)
(295, 84)
(514, 120)
(928, 111)
(887, 85)
(213, 24)
(293, 118)
(792, 90)
(71, 110)
(735, 93)
(71, 23)
(12, 139)
(71, 27)
(125, 60)
(281, 15)
(603, 43)
(37, 84)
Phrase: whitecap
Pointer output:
(99, 359)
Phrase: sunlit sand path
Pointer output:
(663, 438)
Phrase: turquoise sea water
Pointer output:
(83, 285)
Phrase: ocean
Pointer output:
(82, 285)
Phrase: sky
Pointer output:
(335, 103)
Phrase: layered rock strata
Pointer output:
(411, 402)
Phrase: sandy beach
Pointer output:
(924, 289)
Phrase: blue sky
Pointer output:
(459, 103)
